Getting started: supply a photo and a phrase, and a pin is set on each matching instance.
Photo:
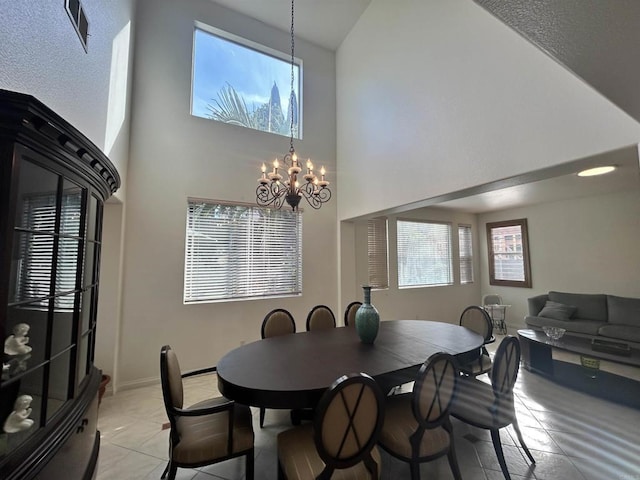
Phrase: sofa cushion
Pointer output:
(588, 327)
(623, 310)
(588, 306)
(620, 332)
(556, 310)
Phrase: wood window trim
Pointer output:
(522, 223)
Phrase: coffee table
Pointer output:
(572, 362)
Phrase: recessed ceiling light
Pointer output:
(596, 171)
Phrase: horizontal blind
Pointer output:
(424, 254)
(36, 246)
(465, 244)
(508, 260)
(241, 252)
(378, 262)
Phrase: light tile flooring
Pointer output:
(572, 436)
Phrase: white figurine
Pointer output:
(19, 419)
(16, 344)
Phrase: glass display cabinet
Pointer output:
(53, 182)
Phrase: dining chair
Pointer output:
(491, 299)
(478, 320)
(343, 435)
(320, 318)
(491, 406)
(492, 303)
(417, 427)
(350, 314)
(277, 322)
(207, 432)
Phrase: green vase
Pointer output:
(367, 319)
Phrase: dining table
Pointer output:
(293, 371)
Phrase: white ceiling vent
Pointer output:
(79, 20)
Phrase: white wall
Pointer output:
(584, 245)
(442, 303)
(41, 55)
(175, 156)
(434, 96)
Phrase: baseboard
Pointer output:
(144, 382)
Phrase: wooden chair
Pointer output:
(417, 427)
(342, 437)
(350, 314)
(208, 432)
(277, 322)
(478, 320)
(320, 318)
(492, 406)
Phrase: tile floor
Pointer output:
(572, 436)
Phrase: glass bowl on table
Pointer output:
(554, 333)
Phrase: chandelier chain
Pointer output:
(291, 92)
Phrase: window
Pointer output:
(508, 247)
(240, 82)
(241, 252)
(465, 245)
(377, 250)
(424, 254)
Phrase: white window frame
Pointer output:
(465, 254)
(377, 253)
(261, 49)
(251, 252)
(422, 255)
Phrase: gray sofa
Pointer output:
(606, 316)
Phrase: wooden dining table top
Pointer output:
(292, 371)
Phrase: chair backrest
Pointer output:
(347, 422)
(434, 390)
(491, 299)
(277, 322)
(350, 314)
(506, 364)
(171, 379)
(478, 320)
(320, 318)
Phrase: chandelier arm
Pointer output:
(314, 197)
(273, 194)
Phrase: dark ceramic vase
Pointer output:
(367, 319)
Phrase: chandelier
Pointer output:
(281, 184)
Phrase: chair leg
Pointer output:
(497, 445)
(453, 462)
(166, 469)
(249, 467)
(280, 471)
(262, 410)
(516, 427)
(415, 470)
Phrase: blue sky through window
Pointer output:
(219, 62)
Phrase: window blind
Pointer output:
(465, 244)
(424, 254)
(378, 262)
(241, 252)
(36, 249)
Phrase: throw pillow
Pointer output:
(557, 311)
